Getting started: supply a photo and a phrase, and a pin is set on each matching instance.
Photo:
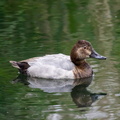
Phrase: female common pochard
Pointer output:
(60, 66)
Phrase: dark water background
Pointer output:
(30, 28)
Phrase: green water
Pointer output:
(34, 28)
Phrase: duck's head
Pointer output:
(82, 50)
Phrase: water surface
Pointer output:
(35, 28)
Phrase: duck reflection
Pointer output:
(52, 85)
(84, 98)
(78, 88)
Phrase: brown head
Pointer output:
(82, 50)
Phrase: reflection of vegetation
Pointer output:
(84, 98)
(28, 23)
(36, 27)
(115, 7)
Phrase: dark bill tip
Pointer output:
(94, 54)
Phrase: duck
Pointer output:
(61, 66)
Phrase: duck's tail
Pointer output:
(15, 64)
(22, 66)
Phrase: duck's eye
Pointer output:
(85, 47)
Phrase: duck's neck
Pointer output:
(82, 69)
(82, 64)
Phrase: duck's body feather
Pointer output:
(57, 66)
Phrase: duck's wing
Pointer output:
(57, 60)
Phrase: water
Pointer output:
(35, 28)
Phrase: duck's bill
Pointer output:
(94, 54)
